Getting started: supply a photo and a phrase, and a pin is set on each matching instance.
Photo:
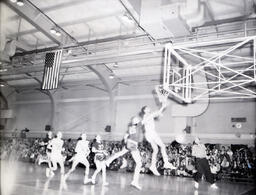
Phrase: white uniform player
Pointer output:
(152, 137)
(82, 151)
(56, 145)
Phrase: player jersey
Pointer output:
(149, 123)
(199, 151)
(56, 145)
(47, 142)
(133, 137)
(99, 155)
(82, 147)
(134, 132)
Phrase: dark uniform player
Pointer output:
(46, 143)
(99, 160)
(131, 140)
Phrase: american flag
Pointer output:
(51, 70)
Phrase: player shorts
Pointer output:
(56, 157)
(100, 157)
(80, 158)
(131, 145)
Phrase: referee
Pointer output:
(202, 165)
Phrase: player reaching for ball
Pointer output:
(148, 121)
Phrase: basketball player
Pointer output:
(82, 151)
(46, 144)
(56, 145)
(151, 135)
(202, 165)
(131, 140)
(99, 160)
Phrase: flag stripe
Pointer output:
(51, 70)
(54, 72)
(56, 80)
(53, 75)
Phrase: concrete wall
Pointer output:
(88, 109)
(217, 118)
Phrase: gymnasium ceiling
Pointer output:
(126, 37)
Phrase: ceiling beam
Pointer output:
(33, 15)
(134, 15)
(97, 41)
(93, 38)
(42, 22)
(225, 21)
(87, 61)
(125, 56)
(74, 22)
(56, 7)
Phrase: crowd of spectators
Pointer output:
(233, 162)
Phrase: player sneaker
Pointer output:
(86, 180)
(196, 185)
(47, 172)
(136, 185)
(154, 171)
(51, 173)
(124, 164)
(105, 183)
(169, 166)
(93, 181)
(214, 186)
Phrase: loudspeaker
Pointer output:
(108, 128)
(48, 127)
(187, 129)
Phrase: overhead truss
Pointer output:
(223, 69)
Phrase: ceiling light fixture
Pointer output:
(13, 1)
(53, 31)
(111, 76)
(2, 85)
(20, 2)
(58, 33)
(126, 17)
(115, 65)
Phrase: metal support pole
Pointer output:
(187, 85)
(219, 74)
(168, 68)
(183, 83)
(166, 73)
(254, 58)
(190, 84)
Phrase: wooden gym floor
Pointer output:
(18, 178)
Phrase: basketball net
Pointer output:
(162, 94)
